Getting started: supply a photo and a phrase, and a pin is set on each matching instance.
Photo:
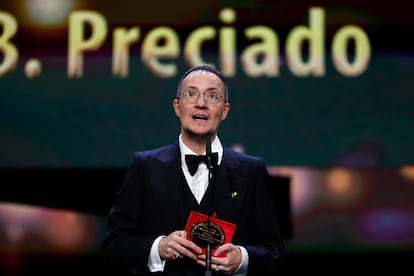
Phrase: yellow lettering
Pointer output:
(161, 42)
(193, 45)
(10, 52)
(316, 38)
(77, 42)
(304, 47)
(362, 51)
(120, 57)
(267, 51)
(227, 43)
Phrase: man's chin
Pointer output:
(198, 133)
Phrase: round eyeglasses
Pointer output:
(212, 98)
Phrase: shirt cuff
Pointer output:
(242, 269)
(155, 263)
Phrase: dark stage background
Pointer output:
(321, 89)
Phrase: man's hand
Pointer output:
(176, 246)
(228, 264)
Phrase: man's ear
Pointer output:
(225, 111)
(176, 104)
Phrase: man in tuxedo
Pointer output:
(146, 225)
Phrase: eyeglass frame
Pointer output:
(192, 97)
(207, 69)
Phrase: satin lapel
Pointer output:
(230, 188)
(167, 186)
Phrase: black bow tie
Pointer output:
(193, 161)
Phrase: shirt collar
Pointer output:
(215, 147)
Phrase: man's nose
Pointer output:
(201, 99)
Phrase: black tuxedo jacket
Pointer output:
(155, 200)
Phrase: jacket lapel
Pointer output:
(167, 187)
(229, 187)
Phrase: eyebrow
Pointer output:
(208, 89)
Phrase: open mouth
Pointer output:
(200, 117)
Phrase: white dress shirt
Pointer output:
(198, 184)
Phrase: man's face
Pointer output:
(200, 118)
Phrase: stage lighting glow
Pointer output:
(339, 181)
(407, 172)
(303, 194)
(49, 12)
(390, 225)
(344, 186)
